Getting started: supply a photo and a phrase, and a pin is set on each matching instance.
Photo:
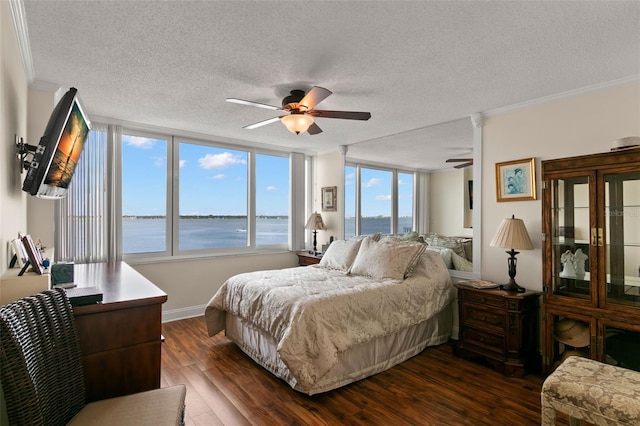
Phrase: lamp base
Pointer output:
(512, 286)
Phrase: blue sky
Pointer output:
(214, 181)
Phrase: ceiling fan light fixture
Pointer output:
(297, 123)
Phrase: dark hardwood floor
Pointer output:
(225, 387)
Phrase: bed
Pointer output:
(367, 306)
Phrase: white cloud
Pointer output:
(220, 161)
(158, 161)
(400, 182)
(219, 176)
(372, 182)
(139, 142)
(350, 176)
(182, 163)
(383, 197)
(271, 188)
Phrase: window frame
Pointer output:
(172, 251)
(394, 194)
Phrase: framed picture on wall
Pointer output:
(329, 198)
(516, 180)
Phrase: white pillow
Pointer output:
(386, 259)
(445, 254)
(460, 263)
(340, 254)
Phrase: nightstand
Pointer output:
(306, 259)
(500, 327)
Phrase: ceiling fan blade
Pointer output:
(251, 103)
(459, 160)
(347, 115)
(314, 129)
(263, 123)
(462, 166)
(316, 95)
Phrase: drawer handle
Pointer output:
(481, 339)
(482, 300)
(483, 318)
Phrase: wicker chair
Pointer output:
(43, 379)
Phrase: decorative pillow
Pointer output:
(454, 243)
(467, 244)
(374, 237)
(340, 254)
(460, 263)
(409, 236)
(386, 258)
(445, 254)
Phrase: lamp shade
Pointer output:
(512, 234)
(297, 123)
(315, 223)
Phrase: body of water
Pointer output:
(148, 235)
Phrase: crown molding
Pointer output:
(563, 95)
(22, 34)
(186, 134)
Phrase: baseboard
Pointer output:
(183, 313)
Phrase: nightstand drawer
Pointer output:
(488, 341)
(474, 315)
(484, 298)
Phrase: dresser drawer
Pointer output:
(479, 317)
(488, 341)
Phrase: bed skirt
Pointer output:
(353, 364)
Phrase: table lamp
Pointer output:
(512, 234)
(315, 223)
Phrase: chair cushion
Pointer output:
(157, 407)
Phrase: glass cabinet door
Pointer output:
(622, 225)
(570, 235)
(621, 346)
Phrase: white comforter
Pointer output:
(314, 313)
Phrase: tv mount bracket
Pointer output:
(23, 150)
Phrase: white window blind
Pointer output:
(86, 225)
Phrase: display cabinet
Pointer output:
(591, 258)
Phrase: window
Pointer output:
(378, 200)
(213, 204)
(405, 203)
(144, 194)
(272, 200)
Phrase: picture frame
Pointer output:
(35, 257)
(516, 180)
(329, 198)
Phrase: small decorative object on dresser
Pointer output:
(499, 326)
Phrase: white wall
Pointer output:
(583, 124)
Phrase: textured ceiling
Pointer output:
(411, 64)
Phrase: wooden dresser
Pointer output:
(121, 337)
(501, 327)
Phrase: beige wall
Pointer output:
(13, 120)
(447, 204)
(583, 124)
(40, 213)
(329, 171)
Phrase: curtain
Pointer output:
(87, 228)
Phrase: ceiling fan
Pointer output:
(466, 162)
(300, 108)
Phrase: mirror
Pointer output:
(447, 188)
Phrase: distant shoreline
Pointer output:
(212, 216)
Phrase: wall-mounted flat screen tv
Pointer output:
(58, 152)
